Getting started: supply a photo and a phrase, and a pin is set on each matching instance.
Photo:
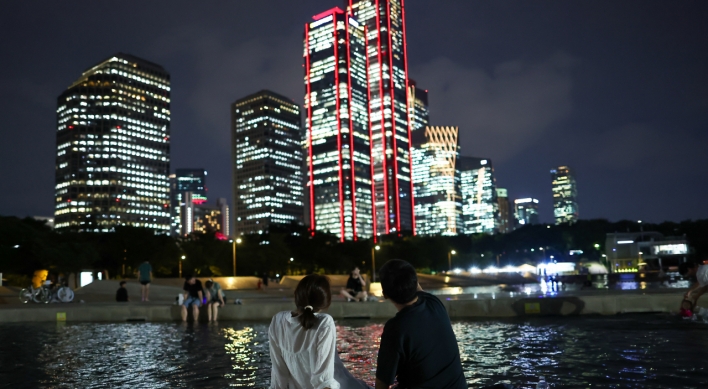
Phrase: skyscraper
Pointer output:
(565, 193)
(526, 211)
(506, 213)
(480, 209)
(113, 148)
(267, 159)
(436, 178)
(339, 154)
(183, 181)
(419, 112)
(388, 112)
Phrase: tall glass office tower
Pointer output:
(388, 117)
(506, 213)
(436, 177)
(339, 151)
(565, 195)
(113, 148)
(480, 209)
(267, 160)
(183, 181)
(419, 113)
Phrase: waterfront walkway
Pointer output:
(481, 298)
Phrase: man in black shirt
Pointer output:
(122, 293)
(193, 296)
(354, 291)
(418, 345)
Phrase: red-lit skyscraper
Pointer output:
(338, 136)
(388, 112)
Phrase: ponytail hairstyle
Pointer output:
(312, 295)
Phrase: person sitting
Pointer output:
(354, 291)
(699, 276)
(418, 346)
(122, 293)
(686, 309)
(215, 299)
(303, 342)
(193, 295)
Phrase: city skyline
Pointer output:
(662, 140)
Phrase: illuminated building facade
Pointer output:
(480, 209)
(206, 218)
(526, 211)
(565, 193)
(267, 159)
(436, 179)
(113, 148)
(388, 112)
(419, 113)
(185, 180)
(337, 139)
(506, 212)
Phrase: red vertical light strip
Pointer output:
(351, 128)
(339, 127)
(309, 128)
(381, 109)
(408, 111)
(371, 134)
(393, 119)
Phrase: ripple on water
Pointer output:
(651, 351)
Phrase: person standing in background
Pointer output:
(145, 277)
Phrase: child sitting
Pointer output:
(686, 309)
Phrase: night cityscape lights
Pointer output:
(113, 148)
(436, 177)
(268, 183)
(526, 211)
(480, 209)
(565, 193)
(388, 116)
(337, 139)
(183, 181)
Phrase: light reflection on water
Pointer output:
(644, 351)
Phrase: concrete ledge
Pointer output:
(264, 311)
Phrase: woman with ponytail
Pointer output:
(303, 342)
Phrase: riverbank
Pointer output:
(458, 307)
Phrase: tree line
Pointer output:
(27, 245)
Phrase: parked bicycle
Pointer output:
(47, 293)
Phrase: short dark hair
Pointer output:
(209, 284)
(122, 283)
(188, 277)
(399, 281)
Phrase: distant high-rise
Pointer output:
(388, 112)
(113, 148)
(208, 218)
(565, 193)
(526, 211)
(339, 151)
(267, 160)
(183, 181)
(480, 209)
(436, 178)
(506, 214)
(419, 112)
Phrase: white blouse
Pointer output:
(302, 359)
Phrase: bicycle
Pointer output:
(46, 294)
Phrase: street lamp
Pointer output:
(180, 265)
(234, 243)
(373, 262)
(449, 259)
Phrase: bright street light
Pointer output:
(235, 242)
(292, 259)
(449, 259)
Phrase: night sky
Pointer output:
(617, 90)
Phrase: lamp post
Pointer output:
(373, 262)
(234, 243)
(180, 265)
(449, 259)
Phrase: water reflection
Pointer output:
(654, 351)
